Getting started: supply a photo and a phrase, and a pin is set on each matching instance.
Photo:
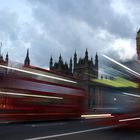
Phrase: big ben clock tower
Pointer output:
(138, 44)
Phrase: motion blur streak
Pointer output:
(34, 73)
(29, 95)
(129, 94)
(96, 116)
(129, 70)
(130, 119)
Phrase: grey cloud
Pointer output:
(10, 35)
(75, 24)
(98, 14)
(8, 24)
(63, 26)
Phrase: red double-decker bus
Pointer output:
(31, 93)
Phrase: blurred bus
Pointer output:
(32, 93)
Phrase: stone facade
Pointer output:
(82, 69)
(61, 67)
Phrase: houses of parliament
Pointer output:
(80, 69)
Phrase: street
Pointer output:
(64, 130)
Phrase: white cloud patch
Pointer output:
(124, 48)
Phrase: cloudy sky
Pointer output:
(51, 27)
